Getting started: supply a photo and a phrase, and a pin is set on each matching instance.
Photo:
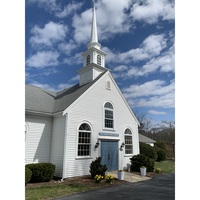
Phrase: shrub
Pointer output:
(28, 174)
(160, 145)
(148, 151)
(161, 155)
(97, 168)
(158, 170)
(41, 172)
(141, 160)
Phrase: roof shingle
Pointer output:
(40, 100)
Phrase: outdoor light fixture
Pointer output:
(97, 144)
(122, 145)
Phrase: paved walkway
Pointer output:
(130, 177)
(160, 187)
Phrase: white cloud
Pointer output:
(82, 26)
(150, 11)
(50, 34)
(66, 48)
(164, 101)
(43, 59)
(75, 78)
(154, 53)
(54, 88)
(155, 112)
(152, 46)
(49, 5)
(56, 7)
(76, 59)
(111, 19)
(44, 86)
(154, 93)
(71, 7)
(112, 15)
(120, 68)
(155, 87)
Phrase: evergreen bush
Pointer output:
(28, 174)
(161, 155)
(96, 168)
(148, 151)
(140, 160)
(160, 145)
(161, 151)
(41, 172)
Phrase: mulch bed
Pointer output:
(83, 180)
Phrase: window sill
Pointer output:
(83, 157)
(128, 155)
(109, 129)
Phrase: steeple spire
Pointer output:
(94, 35)
(93, 57)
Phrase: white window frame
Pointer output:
(128, 145)
(104, 118)
(78, 143)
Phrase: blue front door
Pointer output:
(109, 154)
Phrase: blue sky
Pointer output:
(138, 37)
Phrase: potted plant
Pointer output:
(143, 170)
(120, 174)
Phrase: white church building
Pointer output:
(73, 127)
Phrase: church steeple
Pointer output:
(94, 34)
(93, 57)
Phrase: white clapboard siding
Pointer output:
(90, 109)
(57, 143)
(38, 138)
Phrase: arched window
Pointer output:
(84, 140)
(88, 59)
(109, 119)
(98, 60)
(128, 141)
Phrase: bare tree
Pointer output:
(145, 123)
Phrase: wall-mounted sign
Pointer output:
(109, 134)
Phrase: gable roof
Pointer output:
(44, 101)
(145, 139)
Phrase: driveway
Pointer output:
(161, 187)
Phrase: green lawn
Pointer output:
(53, 191)
(48, 192)
(166, 166)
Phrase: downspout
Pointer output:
(64, 174)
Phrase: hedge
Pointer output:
(148, 151)
(28, 174)
(161, 151)
(140, 160)
(161, 155)
(41, 172)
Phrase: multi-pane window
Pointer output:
(84, 140)
(98, 60)
(128, 141)
(109, 120)
(88, 60)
